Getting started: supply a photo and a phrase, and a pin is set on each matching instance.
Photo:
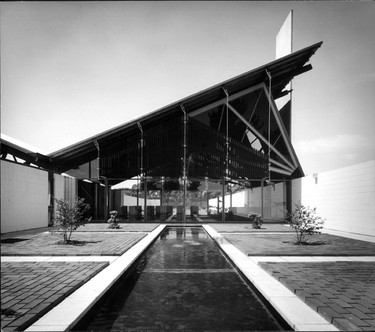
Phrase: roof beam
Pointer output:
(281, 126)
(224, 100)
(279, 170)
(260, 136)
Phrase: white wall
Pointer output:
(65, 188)
(345, 197)
(24, 197)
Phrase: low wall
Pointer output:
(24, 197)
(345, 197)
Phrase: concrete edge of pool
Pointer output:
(65, 315)
(293, 310)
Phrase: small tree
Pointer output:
(305, 222)
(69, 217)
(256, 219)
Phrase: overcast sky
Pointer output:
(70, 70)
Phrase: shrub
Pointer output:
(113, 220)
(69, 217)
(256, 219)
(305, 222)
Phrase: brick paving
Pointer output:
(29, 290)
(282, 244)
(87, 244)
(342, 292)
(348, 286)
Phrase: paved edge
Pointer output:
(64, 316)
(296, 313)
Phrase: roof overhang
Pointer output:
(282, 70)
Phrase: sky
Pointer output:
(71, 70)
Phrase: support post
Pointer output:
(226, 174)
(184, 168)
(106, 200)
(143, 176)
(261, 199)
(137, 192)
(223, 203)
(96, 201)
(145, 201)
(161, 191)
(231, 203)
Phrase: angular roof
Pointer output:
(282, 71)
(252, 114)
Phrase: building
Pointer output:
(220, 142)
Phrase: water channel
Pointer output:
(182, 282)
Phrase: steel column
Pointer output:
(261, 200)
(106, 200)
(184, 168)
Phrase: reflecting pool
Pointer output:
(182, 282)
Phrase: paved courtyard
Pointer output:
(37, 273)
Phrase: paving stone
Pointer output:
(337, 308)
(328, 313)
(314, 303)
(356, 320)
(358, 313)
(31, 305)
(351, 277)
(345, 324)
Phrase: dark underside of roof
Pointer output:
(163, 132)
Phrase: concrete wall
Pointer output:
(345, 197)
(65, 188)
(24, 197)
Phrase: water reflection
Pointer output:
(183, 282)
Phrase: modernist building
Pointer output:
(231, 137)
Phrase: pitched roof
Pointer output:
(282, 70)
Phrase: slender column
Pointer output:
(98, 184)
(230, 191)
(184, 170)
(226, 174)
(143, 176)
(261, 199)
(161, 191)
(106, 200)
(96, 200)
(207, 197)
(145, 202)
(223, 202)
(137, 193)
